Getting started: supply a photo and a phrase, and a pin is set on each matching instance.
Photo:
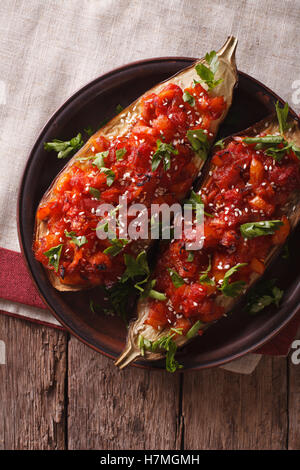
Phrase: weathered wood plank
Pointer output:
(32, 385)
(294, 407)
(222, 410)
(294, 399)
(112, 409)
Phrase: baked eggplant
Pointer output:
(143, 152)
(250, 193)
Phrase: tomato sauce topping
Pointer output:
(246, 185)
(78, 256)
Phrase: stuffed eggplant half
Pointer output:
(146, 153)
(251, 197)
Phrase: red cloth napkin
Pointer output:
(17, 286)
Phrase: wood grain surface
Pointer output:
(32, 386)
(56, 393)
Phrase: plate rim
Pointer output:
(148, 366)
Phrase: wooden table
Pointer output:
(56, 393)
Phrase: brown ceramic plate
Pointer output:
(228, 339)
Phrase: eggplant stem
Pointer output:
(128, 356)
(228, 50)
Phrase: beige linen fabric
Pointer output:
(50, 48)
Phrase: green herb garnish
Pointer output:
(207, 74)
(258, 229)
(148, 291)
(220, 143)
(267, 139)
(165, 343)
(136, 267)
(120, 153)
(53, 256)
(188, 98)
(193, 331)
(163, 154)
(99, 159)
(233, 289)
(195, 200)
(282, 115)
(204, 278)
(176, 278)
(79, 241)
(118, 296)
(263, 295)
(199, 142)
(269, 143)
(110, 175)
(119, 108)
(117, 245)
(285, 252)
(89, 131)
(64, 148)
(94, 192)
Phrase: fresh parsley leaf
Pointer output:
(278, 153)
(110, 175)
(120, 153)
(220, 143)
(119, 108)
(64, 148)
(118, 297)
(295, 149)
(195, 199)
(269, 144)
(99, 159)
(164, 343)
(264, 294)
(207, 74)
(141, 345)
(199, 142)
(233, 289)
(163, 154)
(94, 192)
(258, 229)
(136, 267)
(190, 257)
(94, 307)
(204, 278)
(148, 291)
(171, 364)
(212, 60)
(89, 131)
(285, 252)
(282, 115)
(193, 331)
(99, 163)
(188, 98)
(117, 245)
(176, 278)
(53, 256)
(79, 241)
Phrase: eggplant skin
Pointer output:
(131, 352)
(119, 126)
